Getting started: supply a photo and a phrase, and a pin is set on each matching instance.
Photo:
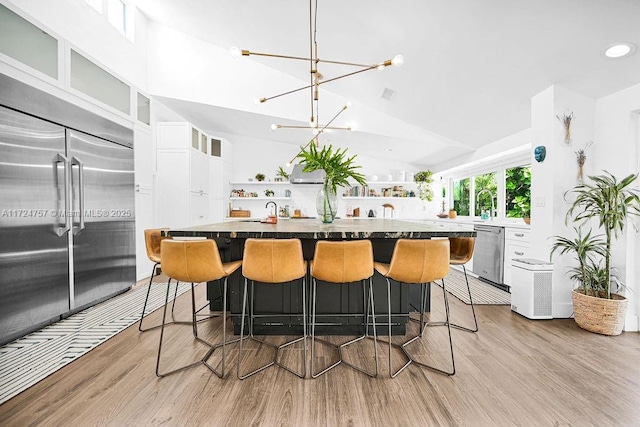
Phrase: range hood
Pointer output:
(299, 177)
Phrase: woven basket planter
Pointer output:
(600, 315)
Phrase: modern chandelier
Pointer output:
(316, 78)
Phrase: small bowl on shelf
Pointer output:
(443, 215)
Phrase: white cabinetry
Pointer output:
(143, 156)
(189, 176)
(516, 245)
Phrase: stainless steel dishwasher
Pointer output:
(488, 255)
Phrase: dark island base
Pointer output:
(333, 299)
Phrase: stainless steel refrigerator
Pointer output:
(66, 209)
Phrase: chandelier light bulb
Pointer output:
(348, 104)
(397, 60)
(288, 164)
(235, 52)
(352, 126)
(315, 131)
(274, 126)
(257, 101)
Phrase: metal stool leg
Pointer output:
(447, 323)
(144, 307)
(214, 347)
(367, 307)
(162, 325)
(277, 348)
(473, 310)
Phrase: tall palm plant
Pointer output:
(584, 249)
(609, 201)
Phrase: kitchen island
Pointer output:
(284, 299)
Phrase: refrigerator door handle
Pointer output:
(61, 212)
(77, 162)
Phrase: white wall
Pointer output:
(252, 156)
(553, 177)
(616, 150)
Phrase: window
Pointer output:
(94, 81)
(195, 139)
(144, 109)
(486, 193)
(24, 42)
(518, 192)
(118, 15)
(216, 147)
(461, 196)
(96, 4)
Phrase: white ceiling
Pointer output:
(471, 67)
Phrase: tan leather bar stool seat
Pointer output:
(417, 262)
(344, 262)
(196, 261)
(272, 261)
(152, 239)
(461, 253)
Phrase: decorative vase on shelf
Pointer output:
(326, 203)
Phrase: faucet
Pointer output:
(272, 219)
(493, 207)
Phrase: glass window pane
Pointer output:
(486, 192)
(518, 192)
(89, 78)
(117, 15)
(195, 139)
(144, 109)
(203, 143)
(216, 147)
(96, 4)
(461, 196)
(24, 42)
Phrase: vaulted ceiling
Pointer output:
(471, 67)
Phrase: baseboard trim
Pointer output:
(631, 323)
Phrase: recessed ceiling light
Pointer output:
(619, 50)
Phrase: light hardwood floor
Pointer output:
(514, 371)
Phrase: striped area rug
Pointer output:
(33, 357)
(481, 292)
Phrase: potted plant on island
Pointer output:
(424, 179)
(611, 203)
(338, 169)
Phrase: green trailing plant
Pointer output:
(338, 168)
(610, 202)
(282, 173)
(259, 177)
(269, 193)
(424, 179)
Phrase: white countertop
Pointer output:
(511, 223)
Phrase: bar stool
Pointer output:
(344, 262)
(152, 240)
(272, 261)
(418, 262)
(196, 261)
(460, 253)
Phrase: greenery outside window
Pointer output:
(461, 194)
(518, 192)
(483, 199)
